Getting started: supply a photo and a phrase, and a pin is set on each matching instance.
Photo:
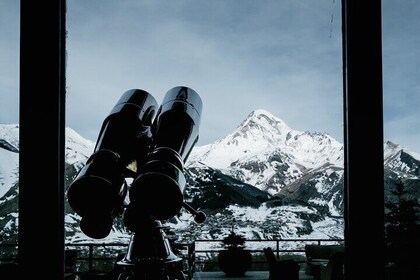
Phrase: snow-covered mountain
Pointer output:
(402, 161)
(9, 157)
(269, 179)
(265, 152)
(262, 132)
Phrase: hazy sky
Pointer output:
(239, 55)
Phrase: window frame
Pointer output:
(42, 111)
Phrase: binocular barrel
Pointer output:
(177, 122)
(99, 189)
(126, 130)
(158, 190)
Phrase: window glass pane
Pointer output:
(9, 129)
(269, 159)
(401, 43)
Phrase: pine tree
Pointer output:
(402, 229)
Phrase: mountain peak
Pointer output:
(77, 147)
(261, 131)
(258, 112)
(391, 144)
(263, 137)
(261, 115)
(260, 122)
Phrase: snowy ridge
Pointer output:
(413, 154)
(403, 162)
(391, 149)
(78, 149)
(259, 132)
(9, 170)
(262, 132)
(9, 156)
(265, 152)
(9, 135)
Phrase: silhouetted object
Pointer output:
(99, 189)
(318, 256)
(70, 257)
(149, 145)
(199, 216)
(234, 260)
(334, 270)
(402, 230)
(281, 269)
(175, 132)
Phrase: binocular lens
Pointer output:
(96, 226)
(159, 195)
(97, 186)
(96, 193)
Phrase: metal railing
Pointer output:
(91, 256)
(198, 252)
(279, 246)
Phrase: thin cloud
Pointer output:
(239, 58)
(282, 56)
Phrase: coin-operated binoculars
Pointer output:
(150, 145)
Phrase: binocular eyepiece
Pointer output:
(145, 142)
